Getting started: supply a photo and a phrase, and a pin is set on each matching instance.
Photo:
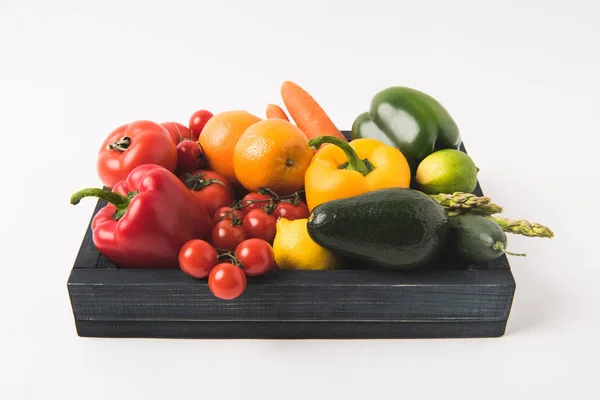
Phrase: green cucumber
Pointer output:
(476, 238)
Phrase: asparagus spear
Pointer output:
(459, 203)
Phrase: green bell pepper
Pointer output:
(410, 120)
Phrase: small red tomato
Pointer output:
(227, 281)
(197, 258)
(256, 256)
(227, 236)
(290, 211)
(227, 213)
(177, 131)
(212, 189)
(252, 201)
(258, 224)
(189, 157)
(197, 122)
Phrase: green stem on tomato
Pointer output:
(120, 145)
(119, 201)
(197, 182)
(354, 161)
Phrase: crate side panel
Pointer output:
(295, 296)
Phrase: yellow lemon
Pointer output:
(294, 249)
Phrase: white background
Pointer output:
(520, 78)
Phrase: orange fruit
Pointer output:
(274, 154)
(219, 137)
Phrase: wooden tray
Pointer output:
(447, 300)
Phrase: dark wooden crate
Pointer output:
(447, 300)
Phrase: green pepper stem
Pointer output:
(119, 201)
(354, 162)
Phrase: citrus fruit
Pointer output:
(294, 249)
(219, 137)
(447, 171)
(273, 154)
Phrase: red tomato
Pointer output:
(256, 256)
(290, 211)
(258, 224)
(197, 122)
(247, 206)
(178, 132)
(132, 145)
(197, 258)
(227, 236)
(227, 213)
(189, 156)
(227, 281)
(212, 189)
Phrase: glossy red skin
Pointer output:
(227, 236)
(256, 256)
(221, 212)
(177, 131)
(291, 212)
(197, 258)
(259, 224)
(189, 157)
(150, 144)
(160, 219)
(215, 195)
(247, 207)
(197, 122)
(227, 281)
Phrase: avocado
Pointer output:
(393, 228)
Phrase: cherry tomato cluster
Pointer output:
(189, 152)
(226, 270)
(255, 216)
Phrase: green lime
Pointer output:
(447, 171)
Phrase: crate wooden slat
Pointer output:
(447, 300)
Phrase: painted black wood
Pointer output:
(447, 300)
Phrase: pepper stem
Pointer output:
(119, 201)
(354, 162)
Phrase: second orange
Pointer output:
(273, 154)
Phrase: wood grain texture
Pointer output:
(448, 299)
(295, 296)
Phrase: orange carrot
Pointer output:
(274, 111)
(307, 113)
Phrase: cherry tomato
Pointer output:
(197, 122)
(189, 156)
(211, 189)
(178, 132)
(227, 281)
(247, 206)
(256, 256)
(258, 224)
(223, 211)
(290, 211)
(227, 236)
(197, 258)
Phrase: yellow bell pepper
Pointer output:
(344, 169)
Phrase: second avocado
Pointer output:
(391, 228)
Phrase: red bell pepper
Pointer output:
(132, 145)
(150, 216)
